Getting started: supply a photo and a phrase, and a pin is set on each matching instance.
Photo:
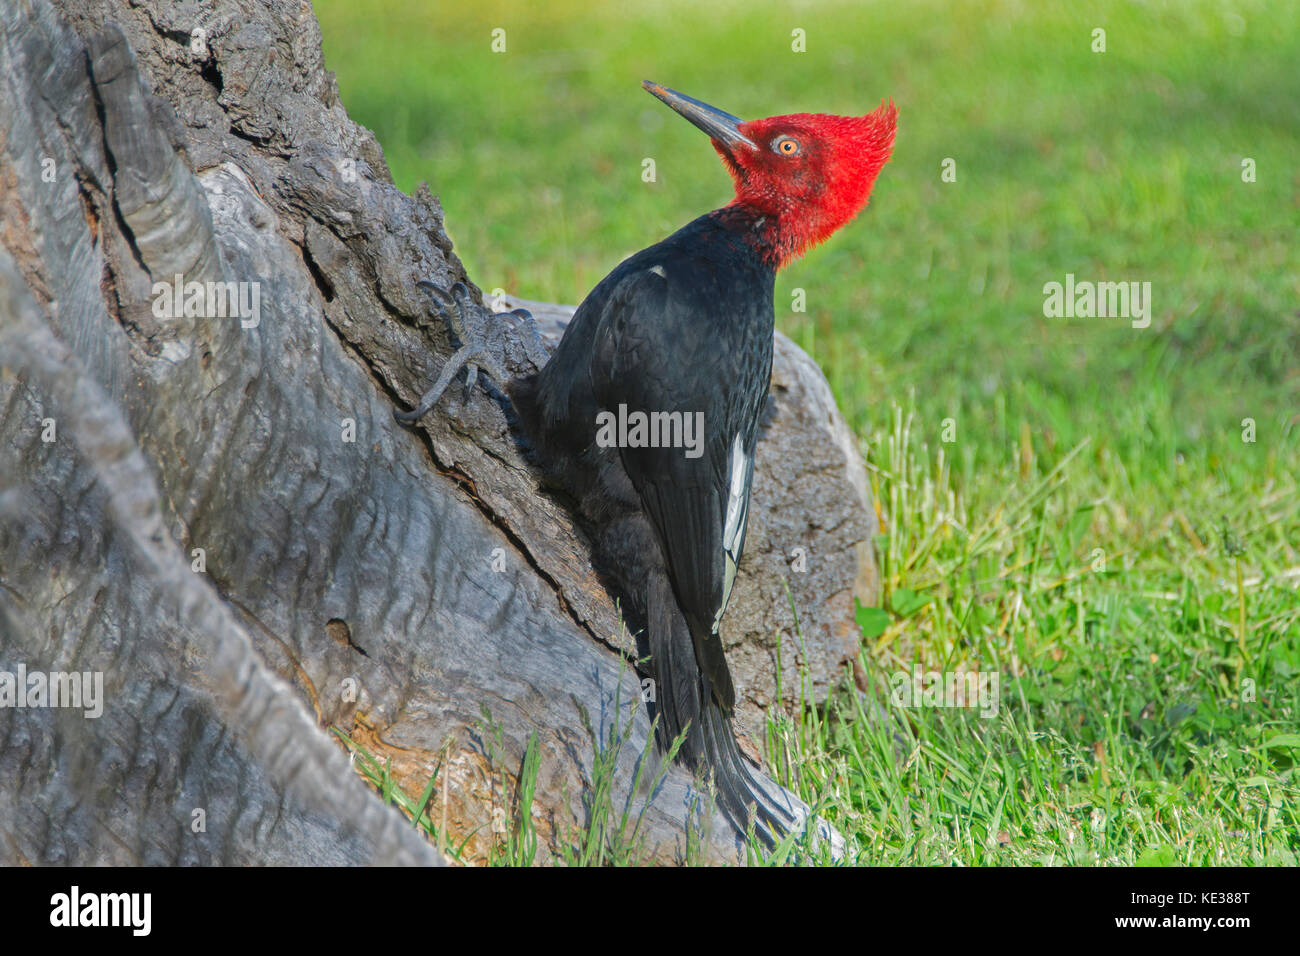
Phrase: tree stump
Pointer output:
(218, 516)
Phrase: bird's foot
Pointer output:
(469, 323)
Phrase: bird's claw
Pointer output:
(469, 325)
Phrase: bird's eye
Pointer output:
(786, 146)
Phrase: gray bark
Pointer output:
(395, 584)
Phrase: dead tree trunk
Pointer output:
(219, 516)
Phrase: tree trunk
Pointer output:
(219, 516)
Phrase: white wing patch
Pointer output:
(659, 271)
(733, 526)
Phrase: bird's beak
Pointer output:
(721, 126)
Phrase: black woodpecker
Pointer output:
(646, 416)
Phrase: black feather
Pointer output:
(684, 326)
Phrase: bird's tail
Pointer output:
(684, 700)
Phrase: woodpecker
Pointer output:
(682, 333)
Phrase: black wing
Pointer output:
(669, 342)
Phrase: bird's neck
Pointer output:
(777, 237)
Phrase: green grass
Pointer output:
(1069, 502)
(419, 811)
(1130, 727)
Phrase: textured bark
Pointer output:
(396, 584)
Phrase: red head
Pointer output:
(806, 174)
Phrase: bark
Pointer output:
(221, 518)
